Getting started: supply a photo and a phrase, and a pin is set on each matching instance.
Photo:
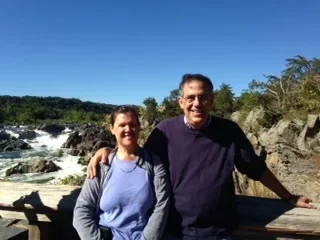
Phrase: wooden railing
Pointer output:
(48, 209)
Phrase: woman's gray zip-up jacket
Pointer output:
(85, 218)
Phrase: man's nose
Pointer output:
(196, 102)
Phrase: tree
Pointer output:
(223, 102)
(2, 117)
(307, 74)
(150, 112)
(26, 117)
(280, 90)
(248, 100)
(30, 108)
(170, 106)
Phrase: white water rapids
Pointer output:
(46, 147)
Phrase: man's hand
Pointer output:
(301, 201)
(270, 181)
(101, 155)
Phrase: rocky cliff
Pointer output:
(291, 149)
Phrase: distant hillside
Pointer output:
(30, 109)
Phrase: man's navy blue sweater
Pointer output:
(200, 164)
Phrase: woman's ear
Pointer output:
(111, 129)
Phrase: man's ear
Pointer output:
(180, 101)
(212, 99)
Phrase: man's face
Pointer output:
(196, 102)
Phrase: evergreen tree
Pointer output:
(223, 102)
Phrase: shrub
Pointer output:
(73, 180)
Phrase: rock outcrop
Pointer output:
(9, 143)
(251, 124)
(87, 141)
(33, 166)
(309, 138)
(29, 134)
(288, 148)
(53, 129)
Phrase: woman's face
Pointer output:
(126, 129)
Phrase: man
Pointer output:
(200, 152)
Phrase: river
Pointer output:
(46, 147)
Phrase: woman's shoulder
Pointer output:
(151, 161)
(149, 156)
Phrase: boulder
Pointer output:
(73, 140)
(58, 153)
(251, 124)
(284, 132)
(4, 135)
(53, 129)
(309, 137)
(253, 140)
(312, 120)
(29, 134)
(33, 166)
(100, 144)
(273, 159)
(236, 116)
(74, 152)
(314, 145)
(301, 141)
(13, 144)
(88, 140)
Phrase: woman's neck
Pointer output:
(127, 154)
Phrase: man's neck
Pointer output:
(198, 126)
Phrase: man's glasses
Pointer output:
(201, 98)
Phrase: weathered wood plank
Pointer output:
(24, 215)
(39, 202)
(272, 215)
(254, 235)
(38, 196)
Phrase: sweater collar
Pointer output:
(204, 126)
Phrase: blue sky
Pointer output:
(121, 52)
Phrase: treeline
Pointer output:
(294, 93)
(29, 109)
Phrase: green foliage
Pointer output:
(296, 92)
(150, 111)
(30, 109)
(144, 134)
(26, 117)
(224, 101)
(297, 89)
(73, 180)
(270, 118)
(2, 116)
(107, 121)
(248, 100)
(170, 106)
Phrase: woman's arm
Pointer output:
(158, 219)
(84, 216)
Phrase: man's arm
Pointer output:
(100, 156)
(247, 162)
(270, 181)
(156, 142)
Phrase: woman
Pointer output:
(130, 196)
